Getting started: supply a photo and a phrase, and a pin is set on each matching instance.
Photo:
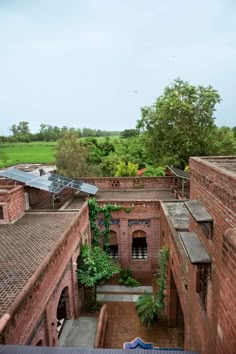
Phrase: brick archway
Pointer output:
(63, 309)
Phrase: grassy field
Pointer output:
(34, 152)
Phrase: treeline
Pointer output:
(21, 133)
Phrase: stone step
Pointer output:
(123, 289)
(117, 297)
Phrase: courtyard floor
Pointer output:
(124, 326)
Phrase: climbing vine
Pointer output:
(94, 209)
(149, 307)
(161, 280)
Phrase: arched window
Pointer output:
(62, 309)
(113, 248)
(139, 245)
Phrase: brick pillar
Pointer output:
(124, 246)
(173, 302)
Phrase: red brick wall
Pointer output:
(13, 202)
(216, 190)
(146, 210)
(130, 182)
(35, 317)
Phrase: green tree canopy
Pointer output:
(179, 123)
(72, 158)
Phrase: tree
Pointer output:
(72, 158)
(222, 142)
(178, 124)
(128, 133)
(21, 131)
(94, 267)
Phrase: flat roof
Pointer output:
(24, 245)
(179, 215)
(135, 194)
(223, 163)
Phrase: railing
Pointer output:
(101, 328)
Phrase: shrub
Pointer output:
(126, 278)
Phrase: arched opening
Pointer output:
(113, 245)
(62, 309)
(40, 343)
(139, 245)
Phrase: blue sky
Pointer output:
(94, 63)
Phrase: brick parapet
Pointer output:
(130, 182)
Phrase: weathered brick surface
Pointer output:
(130, 182)
(210, 330)
(34, 318)
(146, 210)
(13, 201)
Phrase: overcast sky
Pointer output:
(94, 63)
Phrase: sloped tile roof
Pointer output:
(24, 245)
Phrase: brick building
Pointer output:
(40, 246)
(201, 235)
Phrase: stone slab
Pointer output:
(117, 297)
(198, 211)
(124, 289)
(194, 248)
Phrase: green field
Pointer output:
(34, 152)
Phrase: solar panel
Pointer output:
(49, 187)
(17, 175)
(84, 187)
(50, 182)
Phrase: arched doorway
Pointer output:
(40, 343)
(113, 245)
(139, 245)
(62, 309)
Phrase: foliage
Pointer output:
(147, 310)
(125, 170)
(94, 209)
(128, 133)
(178, 124)
(161, 280)
(126, 278)
(72, 158)
(149, 307)
(222, 142)
(154, 171)
(94, 266)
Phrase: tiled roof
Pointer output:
(24, 245)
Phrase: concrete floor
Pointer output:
(79, 333)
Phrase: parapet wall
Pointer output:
(131, 182)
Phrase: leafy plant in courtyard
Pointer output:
(126, 278)
(148, 306)
(94, 266)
